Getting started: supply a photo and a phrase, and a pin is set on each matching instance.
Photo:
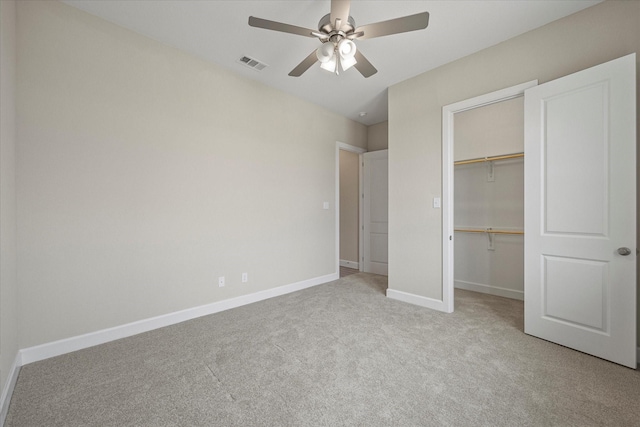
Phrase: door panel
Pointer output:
(574, 187)
(564, 279)
(376, 212)
(580, 207)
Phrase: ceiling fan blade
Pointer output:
(340, 10)
(279, 26)
(418, 21)
(304, 65)
(363, 65)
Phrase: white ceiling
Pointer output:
(218, 31)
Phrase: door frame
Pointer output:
(360, 151)
(448, 112)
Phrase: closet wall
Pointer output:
(490, 195)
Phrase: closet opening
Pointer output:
(489, 199)
(483, 195)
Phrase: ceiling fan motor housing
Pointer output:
(327, 27)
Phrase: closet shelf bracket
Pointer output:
(490, 232)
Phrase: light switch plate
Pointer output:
(436, 202)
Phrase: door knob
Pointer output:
(624, 251)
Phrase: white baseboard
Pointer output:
(434, 304)
(349, 264)
(68, 345)
(488, 289)
(7, 391)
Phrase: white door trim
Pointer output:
(448, 112)
(359, 151)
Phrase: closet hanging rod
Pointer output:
(489, 231)
(489, 159)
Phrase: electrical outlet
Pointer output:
(245, 277)
(221, 281)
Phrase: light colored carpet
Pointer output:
(346, 271)
(334, 355)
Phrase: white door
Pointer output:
(376, 212)
(580, 211)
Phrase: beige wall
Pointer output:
(349, 207)
(378, 136)
(490, 130)
(8, 278)
(595, 35)
(145, 173)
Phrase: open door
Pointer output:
(580, 211)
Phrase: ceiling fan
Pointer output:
(337, 31)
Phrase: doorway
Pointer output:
(349, 209)
(489, 199)
(580, 141)
(376, 212)
(448, 182)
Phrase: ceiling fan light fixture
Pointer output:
(325, 52)
(347, 51)
(330, 65)
(347, 48)
(347, 62)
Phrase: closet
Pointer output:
(489, 199)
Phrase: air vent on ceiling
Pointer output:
(252, 63)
